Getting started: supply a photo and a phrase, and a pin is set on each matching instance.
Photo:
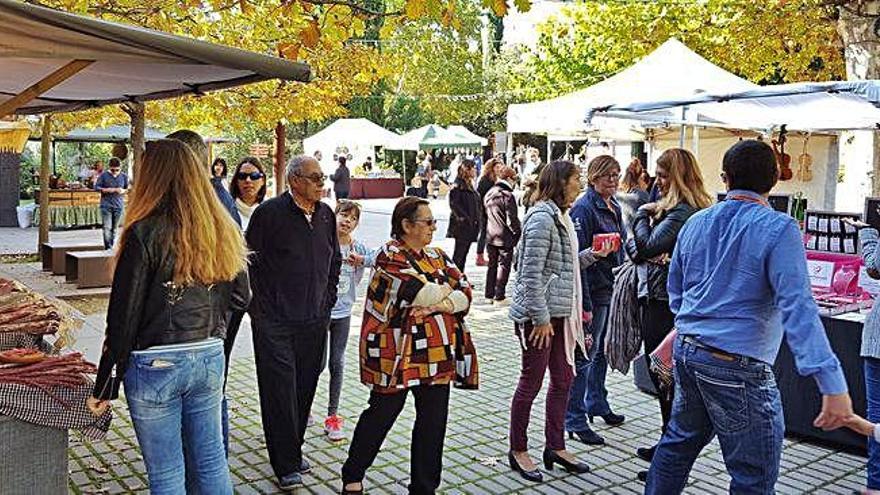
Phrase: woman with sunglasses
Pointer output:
(413, 339)
(248, 188)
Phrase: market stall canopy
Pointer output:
(434, 136)
(356, 139)
(465, 133)
(670, 70)
(54, 61)
(812, 106)
(112, 134)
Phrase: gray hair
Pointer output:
(295, 165)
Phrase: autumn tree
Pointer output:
(766, 42)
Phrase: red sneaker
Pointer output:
(333, 428)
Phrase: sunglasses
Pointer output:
(254, 176)
(115, 169)
(430, 222)
(317, 178)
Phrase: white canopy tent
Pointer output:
(670, 70)
(356, 139)
(813, 113)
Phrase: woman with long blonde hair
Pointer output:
(180, 267)
(655, 231)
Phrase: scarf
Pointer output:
(574, 324)
(244, 209)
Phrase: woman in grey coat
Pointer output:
(546, 310)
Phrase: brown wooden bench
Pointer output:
(52, 254)
(89, 269)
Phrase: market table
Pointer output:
(800, 396)
(363, 188)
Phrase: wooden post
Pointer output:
(135, 111)
(280, 178)
(45, 155)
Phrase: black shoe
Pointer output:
(305, 467)
(643, 476)
(534, 476)
(587, 436)
(291, 481)
(646, 453)
(551, 458)
(610, 419)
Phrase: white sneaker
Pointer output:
(333, 428)
(501, 303)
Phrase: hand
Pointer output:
(97, 406)
(607, 248)
(649, 207)
(836, 410)
(587, 317)
(860, 425)
(355, 260)
(541, 336)
(855, 223)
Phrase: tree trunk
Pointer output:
(862, 54)
(45, 156)
(280, 179)
(135, 111)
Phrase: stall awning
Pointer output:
(56, 61)
(811, 106)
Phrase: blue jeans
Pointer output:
(588, 394)
(174, 399)
(110, 218)
(872, 392)
(733, 397)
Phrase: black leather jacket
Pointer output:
(148, 309)
(650, 241)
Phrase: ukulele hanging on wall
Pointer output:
(783, 159)
(805, 162)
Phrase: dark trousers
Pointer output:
(534, 363)
(657, 322)
(288, 366)
(426, 451)
(341, 194)
(500, 260)
(460, 252)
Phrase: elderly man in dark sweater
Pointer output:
(294, 271)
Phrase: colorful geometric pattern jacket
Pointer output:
(398, 351)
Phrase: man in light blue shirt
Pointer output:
(738, 282)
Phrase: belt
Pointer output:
(723, 355)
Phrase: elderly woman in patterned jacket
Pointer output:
(413, 339)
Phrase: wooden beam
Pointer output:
(280, 178)
(44, 181)
(9, 106)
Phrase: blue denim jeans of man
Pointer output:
(872, 392)
(110, 218)
(734, 398)
(588, 394)
(174, 394)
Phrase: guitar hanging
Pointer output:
(783, 159)
(805, 162)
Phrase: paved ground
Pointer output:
(476, 442)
